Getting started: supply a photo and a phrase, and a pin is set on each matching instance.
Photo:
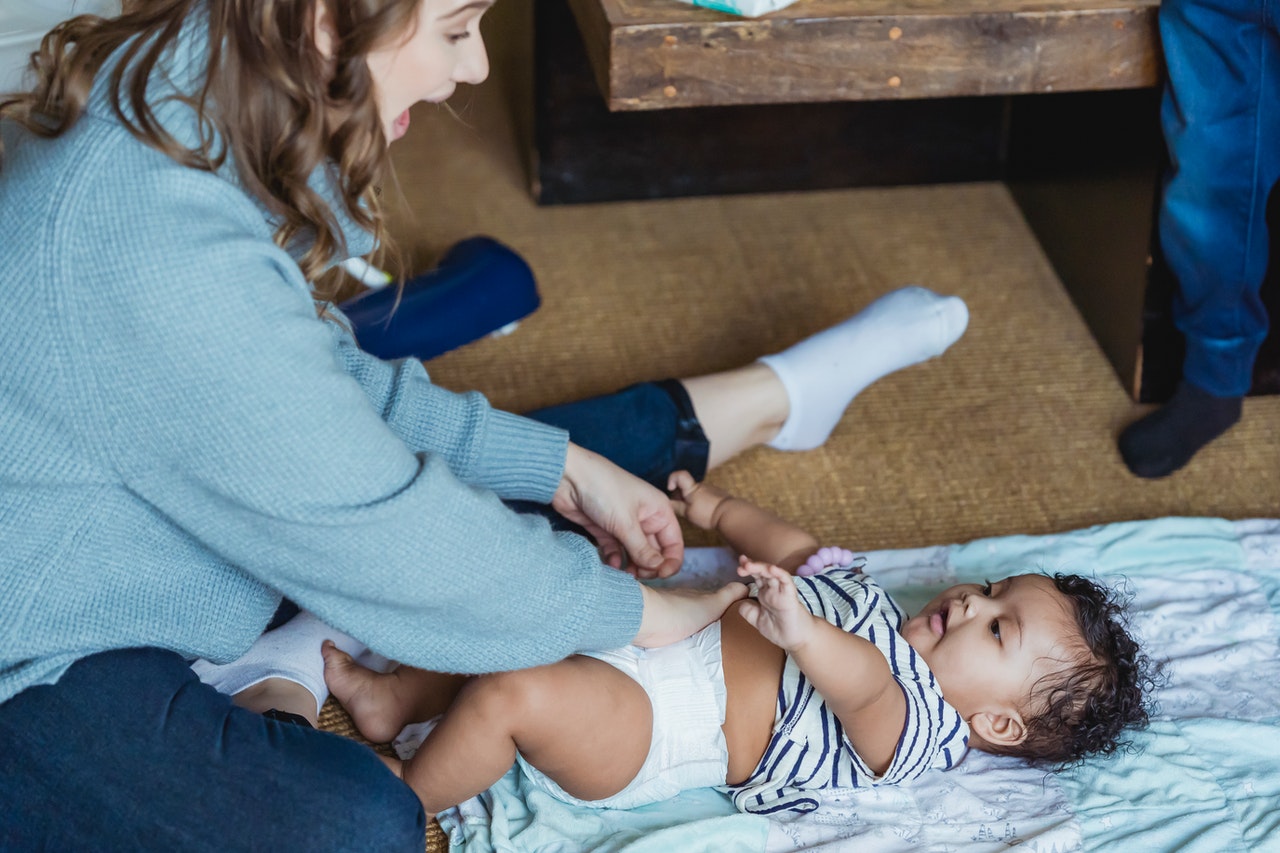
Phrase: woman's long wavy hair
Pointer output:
(271, 100)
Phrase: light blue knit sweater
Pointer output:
(184, 441)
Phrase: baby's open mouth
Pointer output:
(938, 622)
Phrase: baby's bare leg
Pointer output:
(585, 724)
(382, 704)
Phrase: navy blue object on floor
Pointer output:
(478, 287)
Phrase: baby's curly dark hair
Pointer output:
(1086, 708)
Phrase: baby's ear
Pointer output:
(998, 729)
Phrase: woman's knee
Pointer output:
(393, 818)
(370, 808)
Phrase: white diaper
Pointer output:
(685, 685)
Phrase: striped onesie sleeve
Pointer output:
(808, 750)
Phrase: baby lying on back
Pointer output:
(817, 681)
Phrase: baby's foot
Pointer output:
(369, 697)
(823, 373)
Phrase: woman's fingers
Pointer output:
(622, 513)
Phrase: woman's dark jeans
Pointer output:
(129, 751)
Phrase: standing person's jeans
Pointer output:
(130, 751)
(1221, 120)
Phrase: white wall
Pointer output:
(24, 22)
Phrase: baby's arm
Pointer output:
(745, 527)
(850, 673)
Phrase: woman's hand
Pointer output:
(622, 513)
(671, 614)
(776, 611)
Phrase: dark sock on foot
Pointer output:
(1166, 439)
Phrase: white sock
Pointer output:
(292, 652)
(823, 373)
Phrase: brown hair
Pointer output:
(270, 99)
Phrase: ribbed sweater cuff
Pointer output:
(614, 613)
(523, 459)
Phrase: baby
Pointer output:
(818, 681)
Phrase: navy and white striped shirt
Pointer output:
(808, 750)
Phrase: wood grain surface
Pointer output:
(658, 54)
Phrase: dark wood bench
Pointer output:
(1057, 98)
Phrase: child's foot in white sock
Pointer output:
(823, 373)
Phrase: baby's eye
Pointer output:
(457, 37)
(995, 628)
(986, 588)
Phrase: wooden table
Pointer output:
(658, 54)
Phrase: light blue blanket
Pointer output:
(1205, 778)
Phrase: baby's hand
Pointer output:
(776, 612)
(695, 501)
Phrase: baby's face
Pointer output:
(989, 644)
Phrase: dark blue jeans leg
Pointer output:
(129, 751)
(1221, 121)
(649, 429)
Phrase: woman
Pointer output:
(190, 440)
